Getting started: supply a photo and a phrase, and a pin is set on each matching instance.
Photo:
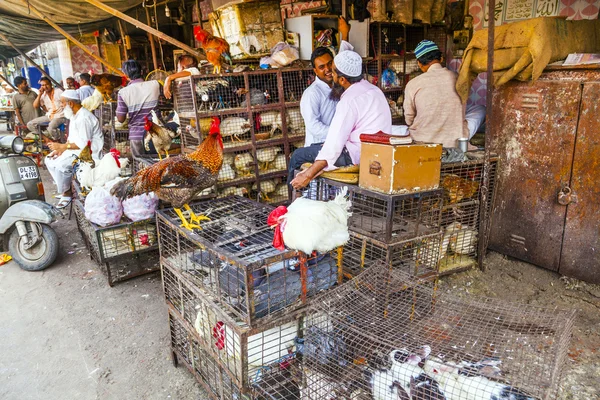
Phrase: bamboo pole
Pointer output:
(71, 38)
(123, 41)
(151, 40)
(3, 37)
(145, 27)
(7, 81)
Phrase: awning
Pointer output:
(26, 31)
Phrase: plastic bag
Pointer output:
(140, 207)
(101, 208)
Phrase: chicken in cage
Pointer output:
(270, 190)
(235, 128)
(269, 124)
(271, 159)
(387, 336)
(233, 258)
(295, 123)
(263, 88)
(218, 93)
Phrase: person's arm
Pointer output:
(410, 110)
(18, 106)
(59, 148)
(122, 109)
(171, 78)
(37, 103)
(309, 108)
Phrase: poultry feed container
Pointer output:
(239, 355)
(232, 257)
(400, 169)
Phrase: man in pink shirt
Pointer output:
(362, 108)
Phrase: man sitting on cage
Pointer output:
(316, 106)
(84, 127)
(187, 65)
(433, 110)
(362, 108)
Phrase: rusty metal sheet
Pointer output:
(533, 132)
(581, 245)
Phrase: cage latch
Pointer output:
(375, 168)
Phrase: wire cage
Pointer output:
(295, 83)
(461, 182)
(418, 257)
(383, 217)
(386, 336)
(241, 353)
(272, 190)
(296, 130)
(232, 257)
(126, 250)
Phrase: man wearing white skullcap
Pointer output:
(362, 108)
(84, 128)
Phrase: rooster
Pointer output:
(161, 136)
(215, 48)
(177, 180)
(310, 225)
(108, 168)
(107, 83)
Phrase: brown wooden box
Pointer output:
(397, 169)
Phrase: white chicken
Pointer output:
(234, 127)
(107, 169)
(295, 120)
(459, 238)
(272, 119)
(92, 102)
(311, 225)
(280, 163)
(266, 187)
(226, 173)
(266, 156)
(244, 164)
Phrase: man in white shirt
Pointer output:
(49, 101)
(85, 90)
(316, 106)
(83, 127)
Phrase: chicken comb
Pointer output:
(89, 144)
(214, 126)
(124, 80)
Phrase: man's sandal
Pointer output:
(64, 202)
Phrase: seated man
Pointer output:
(362, 108)
(186, 66)
(83, 127)
(49, 101)
(85, 89)
(316, 106)
(433, 110)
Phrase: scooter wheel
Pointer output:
(38, 257)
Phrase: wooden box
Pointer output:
(250, 28)
(397, 169)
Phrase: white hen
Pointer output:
(107, 169)
(309, 225)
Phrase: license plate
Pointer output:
(28, 173)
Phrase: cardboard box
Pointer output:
(398, 169)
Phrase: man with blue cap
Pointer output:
(362, 108)
(433, 110)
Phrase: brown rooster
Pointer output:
(214, 47)
(178, 179)
(107, 83)
(161, 136)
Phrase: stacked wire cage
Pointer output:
(260, 123)
(463, 193)
(390, 336)
(404, 230)
(125, 250)
(235, 301)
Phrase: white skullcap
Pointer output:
(70, 94)
(349, 63)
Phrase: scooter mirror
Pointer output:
(12, 143)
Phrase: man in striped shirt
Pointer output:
(136, 100)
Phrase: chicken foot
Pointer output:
(195, 218)
(185, 224)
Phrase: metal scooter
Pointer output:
(25, 217)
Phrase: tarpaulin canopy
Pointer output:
(26, 31)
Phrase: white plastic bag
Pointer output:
(101, 208)
(140, 207)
